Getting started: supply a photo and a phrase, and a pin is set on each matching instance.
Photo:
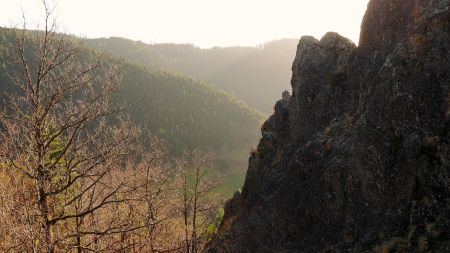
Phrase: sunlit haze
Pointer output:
(205, 23)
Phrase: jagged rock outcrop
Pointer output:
(358, 158)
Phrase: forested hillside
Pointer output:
(188, 114)
(257, 75)
(75, 175)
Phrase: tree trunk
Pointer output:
(78, 223)
(45, 222)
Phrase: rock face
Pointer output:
(358, 158)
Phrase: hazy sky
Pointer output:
(205, 23)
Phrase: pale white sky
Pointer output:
(205, 23)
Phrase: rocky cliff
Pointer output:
(358, 158)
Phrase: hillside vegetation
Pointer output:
(186, 113)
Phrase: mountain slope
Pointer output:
(187, 113)
(358, 159)
(255, 75)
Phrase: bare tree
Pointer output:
(199, 199)
(60, 140)
(72, 177)
(151, 184)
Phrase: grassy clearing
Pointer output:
(232, 167)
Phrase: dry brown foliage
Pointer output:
(72, 177)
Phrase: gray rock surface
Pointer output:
(358, 158)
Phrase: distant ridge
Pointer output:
(256, 75)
